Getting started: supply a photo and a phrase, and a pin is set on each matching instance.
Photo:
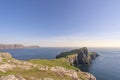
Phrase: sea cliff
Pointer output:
(40, 69)
(78, 56)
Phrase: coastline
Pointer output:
(59, 66)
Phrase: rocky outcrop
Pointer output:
(62, 71)
(6, 67)
(88, 76)
(83, 57)
(73, 74)
(19, 77)
(78, 56)
(93, 55)
(9, 64)
(4, 56)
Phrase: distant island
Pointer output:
(34, 46)
(15, 46)
(62, 68)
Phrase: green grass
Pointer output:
(54, 62)
(90, 53)
(37, 74)
(5, 60)
(72, 55)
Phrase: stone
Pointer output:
(11, 77)
(5, 67)
(44, 68)
(88, 76)
(62, 71)
(5, 55)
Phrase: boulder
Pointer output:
(88, 76)
(62, 71)
(5, 67)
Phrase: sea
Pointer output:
(104, 67)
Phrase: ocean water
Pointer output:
(36, 53)
(104, 67)
(107, 65)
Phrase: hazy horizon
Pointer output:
(60, 23)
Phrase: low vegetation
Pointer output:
(42, 69)
(35, 74)
(65, 54)
(55, 62)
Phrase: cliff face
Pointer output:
(78, 56)
(93, 55)
(12, 69)
(83, 57)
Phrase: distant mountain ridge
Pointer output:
(15, 46)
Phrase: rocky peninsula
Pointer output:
(43, 69)
(78, 56)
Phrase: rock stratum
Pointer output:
(15, 46)
(39, 69)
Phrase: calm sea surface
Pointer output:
(105, 67)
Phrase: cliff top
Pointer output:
(38, 69)
(75, 51)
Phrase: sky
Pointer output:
(60, 23)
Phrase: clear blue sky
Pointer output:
(60, 22)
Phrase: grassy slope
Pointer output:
(27, 74)
(43, 74)
(54, 62)
(57, 62)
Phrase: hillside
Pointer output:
(38, 69)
